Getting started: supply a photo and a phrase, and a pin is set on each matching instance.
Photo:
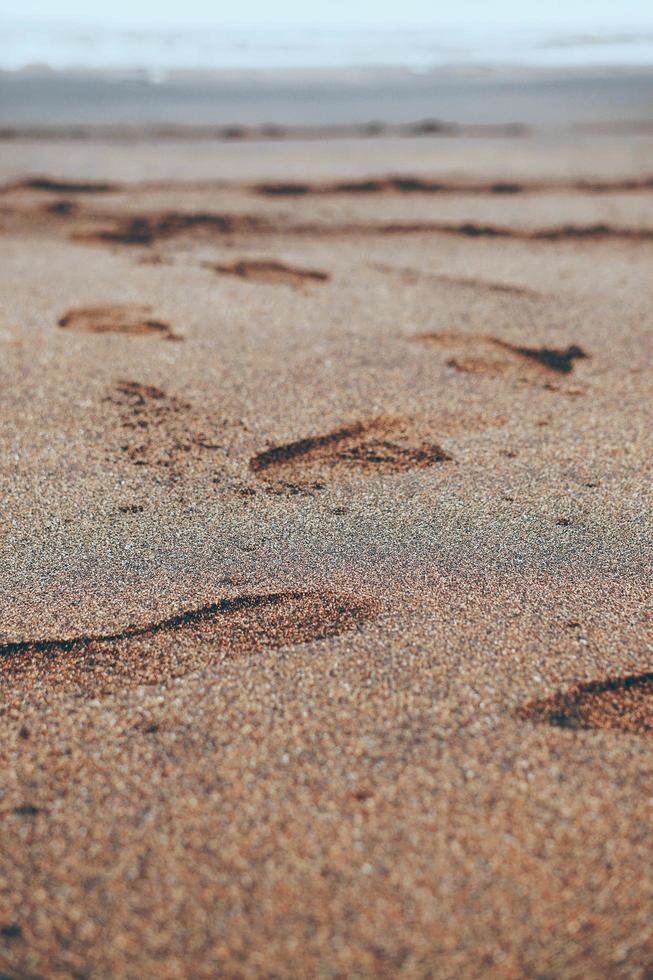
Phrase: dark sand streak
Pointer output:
(622, 704)
(148, 228)
(392, 184)
(180, 621)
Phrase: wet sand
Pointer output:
(231, 103)
(325, 624)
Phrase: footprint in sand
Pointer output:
(499, 357)
(54, 185)
(270, 271)
(120, 319)
(379, 446)
(146, 229)
(617, 704)
(163, 432)
(187, 641)
(413, 275)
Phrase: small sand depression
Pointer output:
(146, 229)
(162, 431)
(270, 271)
(618, 704)
(413, 275)
(486, 354)
(187, 641)
(121, 319)
(57, 186)
(378, 446)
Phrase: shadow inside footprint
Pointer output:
(618, 704)
(187, 641)
(120, 319)
(551, 359)
(379, 446)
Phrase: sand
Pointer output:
(325, 623)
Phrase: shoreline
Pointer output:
(454, 99)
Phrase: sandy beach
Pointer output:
(326, 643)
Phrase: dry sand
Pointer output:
(325, 623)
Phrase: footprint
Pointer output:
(55, 186)
(270, 271)
(284, 190)
(121, 319)
(162, 431)
(618, 704)
(61, 207)
(192, 640)
(145, 229)
(382, 445)
(411, 275)
(548, 359)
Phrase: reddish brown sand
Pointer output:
(115, 319)
(270, 271)
(325, 633)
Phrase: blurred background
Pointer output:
(330, 63)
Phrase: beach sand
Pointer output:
(325, 622)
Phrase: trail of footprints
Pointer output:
(405, 183)
(250, 624)
(166, 434)
(145, 229)
(162, 432)
(160, 436)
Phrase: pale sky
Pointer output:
(582, 14)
